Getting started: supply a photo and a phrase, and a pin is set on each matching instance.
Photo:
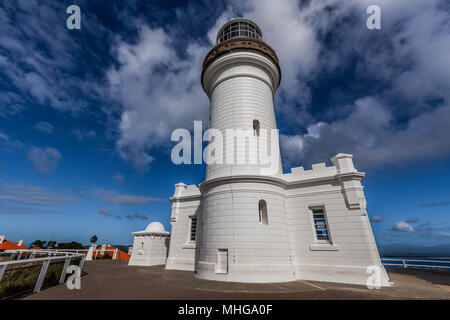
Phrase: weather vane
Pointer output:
(234, 12)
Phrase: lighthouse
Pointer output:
(240, 76)
(249, 221)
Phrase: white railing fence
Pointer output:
(115, 252)
(50, 257)
(442, 263)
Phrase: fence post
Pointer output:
(64, 270)
(81, 263)
(41, 278)
(2, 271)
(404, 264)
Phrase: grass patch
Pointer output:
(21, 279)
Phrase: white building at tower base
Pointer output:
(285, 245)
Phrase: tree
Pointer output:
(51, 244)
(39, 243)
(70, 245)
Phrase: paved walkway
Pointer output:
(116, 280)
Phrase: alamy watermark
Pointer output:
(74, 280)
(374, 20)
(74, 20)
(254, 146)
(374, 280)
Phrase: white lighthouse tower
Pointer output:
(249, 222)
(240, 76)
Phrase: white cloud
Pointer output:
(41, 57)
(44, 127)
(367, 132)
(139, 216)
(44, 160)
(114, 197)
(82, 134)
(109, 213)
(403, 227)
(406, 55)
(7, 144)
(159, 91)
(120, 178)
(157, 85)
(285, 28)
(423, 230)
(24, 210)
(32, 195)
(292, 148)
(376, 219)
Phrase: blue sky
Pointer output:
(86, 115)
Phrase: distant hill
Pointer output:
(442, 250)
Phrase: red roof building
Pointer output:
(9, 245)
(101, 251)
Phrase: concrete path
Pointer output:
(116, 280)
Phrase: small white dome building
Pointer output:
(150, 246)
(155, 227)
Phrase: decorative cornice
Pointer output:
(278, 181)
(186, 198)
(149, 233)
(240, 43)
(242, 178)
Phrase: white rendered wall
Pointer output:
(241, 87)
(352, 247)
(230, 220)
(153, 252)
(185, 204)
(240, 93)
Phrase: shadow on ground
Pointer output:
(117, 281)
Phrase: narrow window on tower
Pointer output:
(256, 128)
(320, 224)
(262, 206)
(193, 231)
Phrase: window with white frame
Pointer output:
(320, 224)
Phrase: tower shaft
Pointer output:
(240, 77)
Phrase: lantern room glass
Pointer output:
(239, 29)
